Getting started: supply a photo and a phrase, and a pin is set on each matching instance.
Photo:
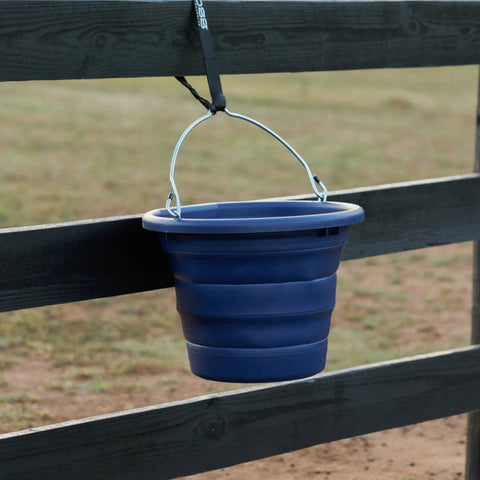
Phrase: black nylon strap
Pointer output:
(192, 90)
(211, 68)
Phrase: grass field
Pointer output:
(82, 149)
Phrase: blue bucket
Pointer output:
(255, 284)
(255, 281)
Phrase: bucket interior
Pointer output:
(256, 210)
(256, 216)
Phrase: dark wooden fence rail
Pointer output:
(49, 264)
(167, 441)
(54, 39)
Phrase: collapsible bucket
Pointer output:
(255, 281)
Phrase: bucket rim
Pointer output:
(311, 215)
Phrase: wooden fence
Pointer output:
(50, 264)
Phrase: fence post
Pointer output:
(473, 431)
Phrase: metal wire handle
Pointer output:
(177, 210)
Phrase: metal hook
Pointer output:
(176, 211)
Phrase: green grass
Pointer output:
(83, 149)
(80, 149)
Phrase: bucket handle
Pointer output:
(176, 211)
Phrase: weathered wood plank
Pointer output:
(75, 261)
(196, 435)
(59, 263)
(55, 39)
(411, 215)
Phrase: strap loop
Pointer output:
(218, 103)
(209, 106)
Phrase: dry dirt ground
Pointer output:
(428, 451)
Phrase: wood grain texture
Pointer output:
(59, 39)
(60, 263)
(215, 431)
(75, 261)
(413, 215)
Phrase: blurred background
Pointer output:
(75, 150)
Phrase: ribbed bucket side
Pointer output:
(256, 307)
(257, 364)
(255, 284)
(262, 315)
(250, 258)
